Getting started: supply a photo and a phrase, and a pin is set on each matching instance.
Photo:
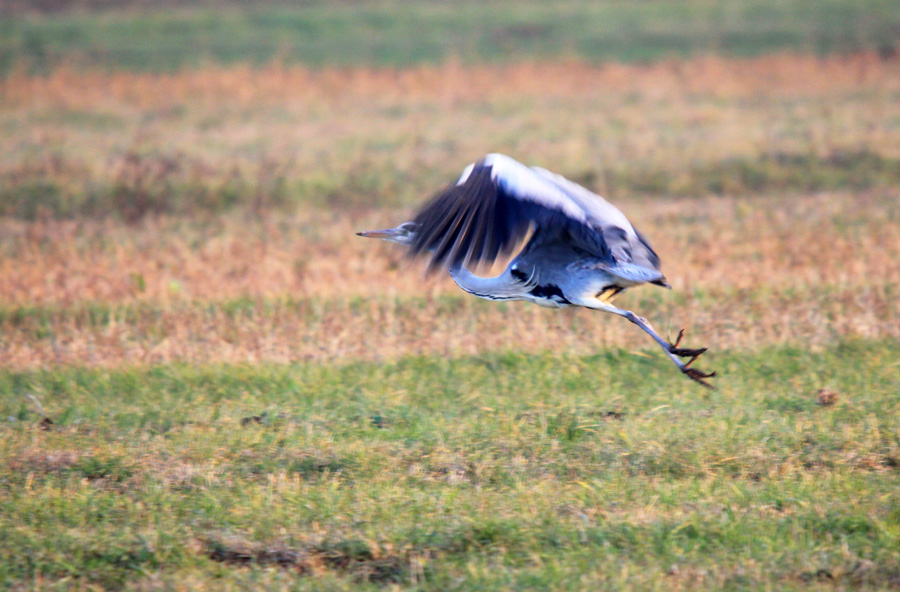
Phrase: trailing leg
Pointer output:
(672, 350)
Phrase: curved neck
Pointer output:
(501, 287)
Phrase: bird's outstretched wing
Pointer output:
(497, 200)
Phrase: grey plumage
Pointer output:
(582, 250)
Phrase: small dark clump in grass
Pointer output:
(237, 555)
(352, 557)
(112, 468)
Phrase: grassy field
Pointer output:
(747, 272)
(87, 145)
(207, 382)
(138, 35)
(514, 471)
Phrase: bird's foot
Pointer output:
(699, 376)
(692, 373)
(684, 352)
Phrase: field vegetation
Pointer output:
(95, 144)
(512, 471)
(169, 35)
(208, 382)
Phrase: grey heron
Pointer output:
(582, 250)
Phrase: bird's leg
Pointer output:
(672, 350)
(607, 295)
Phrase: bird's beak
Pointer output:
(386, 234)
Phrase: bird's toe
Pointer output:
(699, 376)
(684, 352)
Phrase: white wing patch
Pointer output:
(525, 184)
(465, 174)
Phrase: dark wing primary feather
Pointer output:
(491, 208)
(461, 224)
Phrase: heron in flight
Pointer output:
(582, 251)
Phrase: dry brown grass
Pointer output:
(781, 75)
(745, 274)
(746, 271)
(354, 135)
(834, 241)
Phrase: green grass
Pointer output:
(403, 33)
(513, 471)
(194, 191)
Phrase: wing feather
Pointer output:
(623, 242)
(498, 200)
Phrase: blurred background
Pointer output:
(168, 35)
(209, 162)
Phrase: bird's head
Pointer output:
(402, 235)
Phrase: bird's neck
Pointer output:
(501, 287)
